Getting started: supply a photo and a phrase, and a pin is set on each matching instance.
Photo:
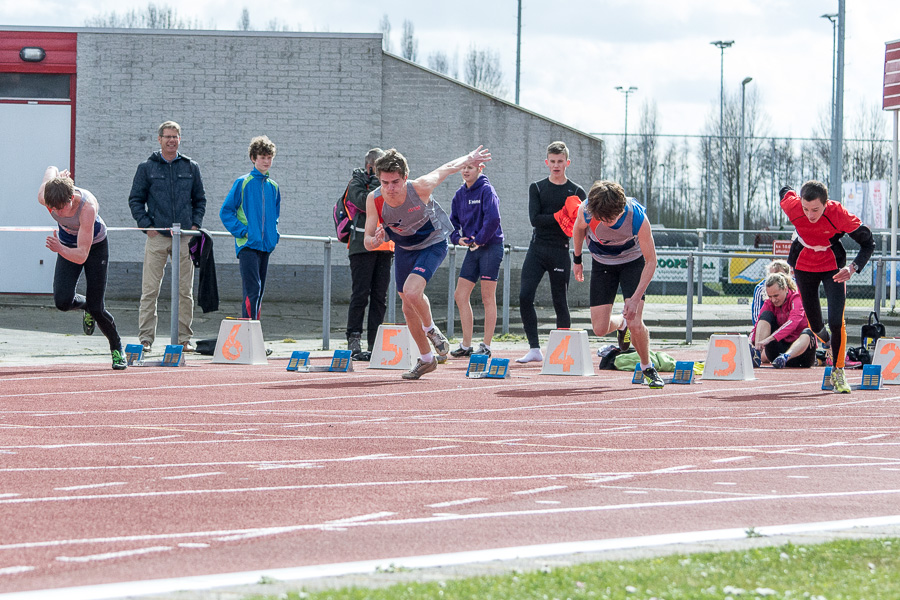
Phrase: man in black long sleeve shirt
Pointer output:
(549, 249)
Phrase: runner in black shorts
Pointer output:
(623, 254)
(551, 203)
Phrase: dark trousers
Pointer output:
(540, 259)
(254, 264)
(65, 277)
(370, 274)
(836, 297)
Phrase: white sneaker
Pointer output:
(534, 355)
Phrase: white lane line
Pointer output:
(547, 502)
(730, 459)
(9, 495)
(112, 555)
(798, 476)
(725, 483)
(875, 437)
(361, 518)
(192, 475)
(542, 489)
(15, 570)
(456, 502)
(193, 545)
(159, 437)
(89, 486)
(667, 423)
(205, 582)
(436, 448)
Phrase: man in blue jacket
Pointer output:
(250, 212)
(167, 189)
(475, 214)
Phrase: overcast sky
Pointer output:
(574, 53)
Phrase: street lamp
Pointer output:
(833, 17)
(721, 45)
(742, 200)
(627, 91)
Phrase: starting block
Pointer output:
(134, 354)
(173, 357)
(827, 385)
(568, 353)
(340, 363)
(728, 358)
(684, 372)
(393, 348)
(299, 358)
(638, 375)
(871, 377)
(240, 342)
(480, 368)
(887, 356)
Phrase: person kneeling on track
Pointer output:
(780, 336)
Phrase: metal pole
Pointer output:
(627, 91)
(879, 285)
(833, 18)
(837, 134)
(708, 191)
(742, 202)
(451, 291)
(392, 299)
(647, 179)
(701, 234)
(894, 185)
(326, 297)
(507, 274)
(721, 45)
(518, 51)
(176, 279)
(689, 307)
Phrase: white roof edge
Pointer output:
(203, 32)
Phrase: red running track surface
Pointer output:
(157, 473)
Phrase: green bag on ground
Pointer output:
(663, 362)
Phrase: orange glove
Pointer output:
(567, 214)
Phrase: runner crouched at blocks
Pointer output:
(780, 336)
(623, 253)
(405, 212)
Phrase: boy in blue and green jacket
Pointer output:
(250, 212)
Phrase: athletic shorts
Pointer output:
(606, 279)
(422, 262)
(805, 360)
(483, 263)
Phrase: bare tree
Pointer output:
(385, 26)
(243, 23)
(481, 69)
(649, 129)
(438, 61)
(409, 45)
(867, 156)
(152, 17)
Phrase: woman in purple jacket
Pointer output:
(475, 215)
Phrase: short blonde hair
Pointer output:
(783, 282)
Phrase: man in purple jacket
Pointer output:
(475, 214)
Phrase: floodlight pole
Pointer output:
(518, 52)
(742, 201)
(721, 45)
(627, 91)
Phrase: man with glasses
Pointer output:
(167, 189)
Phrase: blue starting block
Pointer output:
(827, 385)
(134, 354)
(871, 377)
(340, 363)
(684, 372)
(299, 358)
(174, 356)
(638, 375)
(482, 368)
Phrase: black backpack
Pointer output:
(870, 332)
(344, 212)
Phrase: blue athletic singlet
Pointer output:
(414, 225)
(618, 244)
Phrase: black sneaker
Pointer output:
(118, 360)
(756, 356)
(88, 324)
(624, 338)
(461, 351)
(420, 369)
(653, 378)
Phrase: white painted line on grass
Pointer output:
(205, 582)
(90, 486)
(112, 555)
(542, 489)
(456, 502)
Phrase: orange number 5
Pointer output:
(387, 346)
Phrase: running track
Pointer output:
(160, 474)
